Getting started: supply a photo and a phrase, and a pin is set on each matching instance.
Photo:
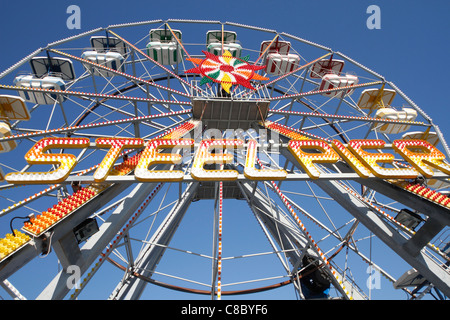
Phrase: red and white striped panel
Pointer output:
(281, 47)
(279, 64)
(326, 66)
(332, 81)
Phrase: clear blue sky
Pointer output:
(411, 49)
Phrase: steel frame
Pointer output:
(293, 241)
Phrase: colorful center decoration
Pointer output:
(226, 70)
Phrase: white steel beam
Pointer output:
(58, 288)
(290, 237)
(131, 287)
(428, 267)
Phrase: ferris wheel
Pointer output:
(216, 160)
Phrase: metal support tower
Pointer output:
(131, 288)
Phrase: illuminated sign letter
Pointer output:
(152, 155)
(370, 160)
(203, 157)
(252, 173)
(117, 145)
(359, 168)
(307, 160)
(428, 156)
(36, 155)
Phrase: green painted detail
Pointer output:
(237, 62)
(214, 75)
(205, 80)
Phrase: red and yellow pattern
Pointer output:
(226, 70)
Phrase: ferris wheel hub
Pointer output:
(222, 114)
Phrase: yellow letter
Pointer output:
(36, 155)
(117, 145)
(151, 155)
(259, 174)
(359, 168)
(203, 157)
(370, 160)
(422, 161)
(307, 160)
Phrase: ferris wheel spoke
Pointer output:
(94, 95)
(307, 244)
(346, 117)
(152, 60)
(387, 234)
(118, 73)
(309, 93)
(346, 241)
(36, 133)
(295, 71)
(343, 284)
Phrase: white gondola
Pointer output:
(406, 114)
(326, 66)
(220, 36)
(112, 60)
(333, 81)
(164, 47)
(279, 64)
(278, 60)
(431, 137)
(216, 38)
(47, 82)
(216, 49)
(5, 131)
(165, 53)
(281, 47)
